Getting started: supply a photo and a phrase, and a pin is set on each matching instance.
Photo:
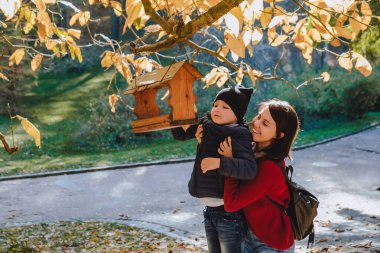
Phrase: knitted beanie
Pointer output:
(237, 98)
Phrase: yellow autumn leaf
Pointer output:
(84, 18)
(16, 57)
(236, 45)
(314, 34)
(40, 5)
(266, 16)
(2, 76)
(117, 7)
(345, 61)
(234, 20)
(366, 9)
(74, 32)
(326, 77)
(223, 51)
(134, 9)
(30, 129)
(112, 99)
(10, 7)
(343, 32)
(75, 18)
(362, 65)
(50, 44)
(279, 40)
(36, 62)
(257, 35)
(355, 22)
(239, 75)
(78, 53)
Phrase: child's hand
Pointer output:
(225, 148)
(210, 163)
(199, 133)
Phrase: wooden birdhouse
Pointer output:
(179, 79)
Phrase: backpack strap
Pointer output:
(285, 173)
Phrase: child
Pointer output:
(224, 230)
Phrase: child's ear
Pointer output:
(282, 135)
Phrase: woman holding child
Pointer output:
(274, 130)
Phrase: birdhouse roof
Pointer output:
(160, 76)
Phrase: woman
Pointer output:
(274, 130)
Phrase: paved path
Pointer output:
(344, 174)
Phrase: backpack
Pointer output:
(302, 208)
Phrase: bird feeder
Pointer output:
(179, 79)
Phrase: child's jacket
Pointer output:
(211, 183)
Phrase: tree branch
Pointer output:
(6, 146)
(208, 18)
(150, 11)
(162, 45)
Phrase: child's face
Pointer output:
(222, 114)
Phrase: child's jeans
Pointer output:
(225, 231)
(254, 245)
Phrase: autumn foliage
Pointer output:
(32, 29)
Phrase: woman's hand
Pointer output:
(210, 163)
(199, 133)
(225, 148)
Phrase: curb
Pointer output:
(173, 161)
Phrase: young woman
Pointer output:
(274, 130)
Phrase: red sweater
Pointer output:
(267, 221)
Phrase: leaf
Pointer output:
(40, 5)
(355, 22)
(30, 129)
(117, 8)
(2, 76)
(366, 9)
(236, 45)
(134, 9)
(112, 101)
(314, 34)
(257, 36)
(10, 8)
(74, 32)
(239, 75)
(223, 51)
(279, 40)
(16, 57)
(345, 61)
(234, 20)
(75, 18)
(107, 59)
(326, 77)
(266, 17)
(343, 32)
(84, 18)
(276, 21)
(362, 65)
(36, 62)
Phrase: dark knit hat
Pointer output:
(237, 98)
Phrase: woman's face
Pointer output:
(263, 127)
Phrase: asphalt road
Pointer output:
(344, 174)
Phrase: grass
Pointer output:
(60, 106)
(79, 236)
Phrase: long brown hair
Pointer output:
(287, 122)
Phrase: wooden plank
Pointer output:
(164, 125)
(192, 70)
(182, 98)
(146, 106)
(151, 121)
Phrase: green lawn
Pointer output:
(59, 106)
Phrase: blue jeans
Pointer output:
(254, 245)
(225, 231)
